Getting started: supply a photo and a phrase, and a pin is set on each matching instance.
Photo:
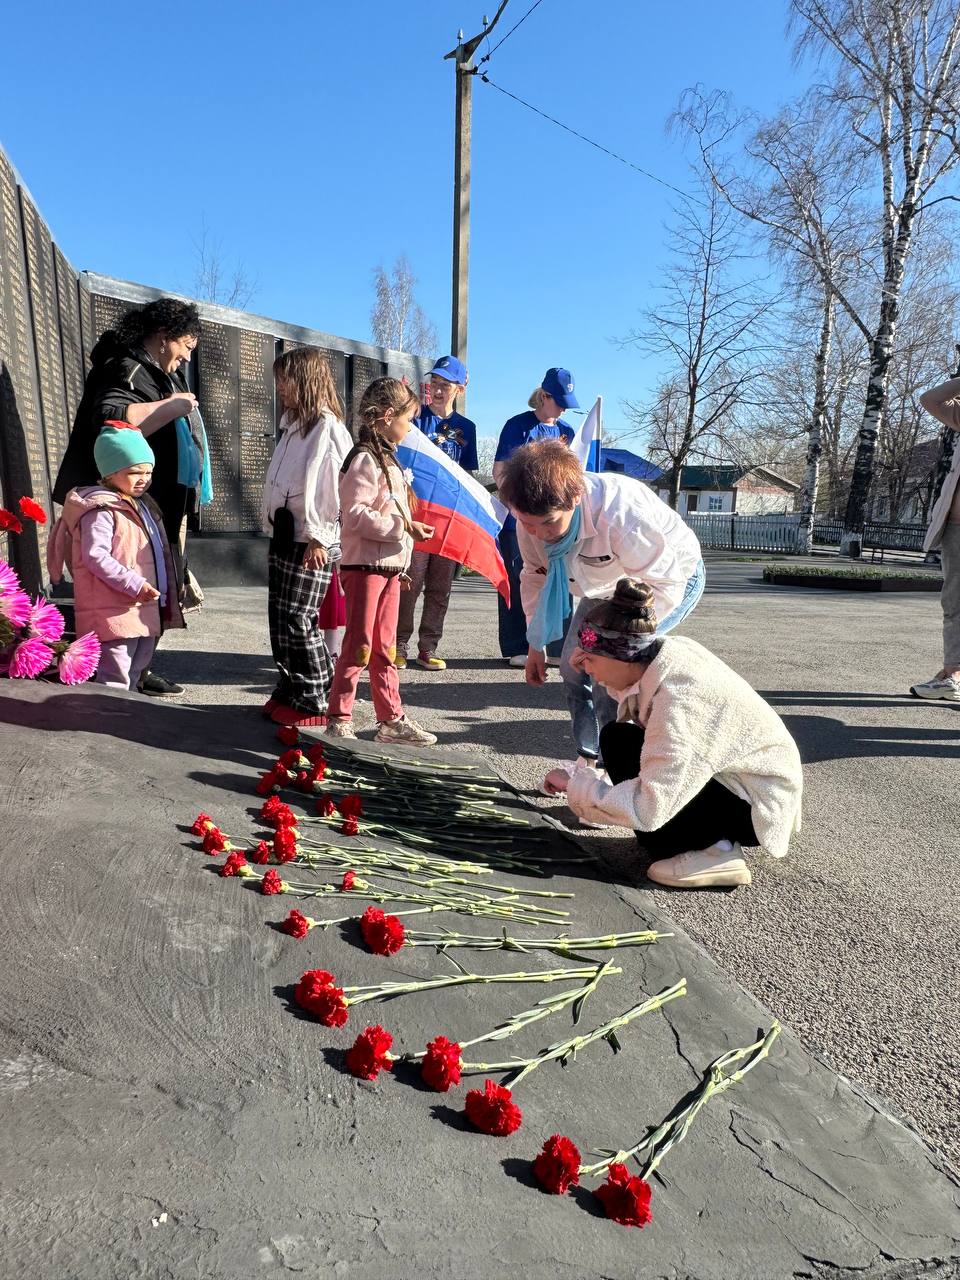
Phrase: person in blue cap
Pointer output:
(429, 574)
(542, 421)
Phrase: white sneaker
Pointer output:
(339, 729)
(946, 689)
(552, 662)
(518, 660)
(702, 869)
(404, 732)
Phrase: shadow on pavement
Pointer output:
(132, 718)
(824, 738)
(195, 666)
(842, 698)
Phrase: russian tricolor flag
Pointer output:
(465, 517)
(587, 443)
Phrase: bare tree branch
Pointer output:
(397, 320)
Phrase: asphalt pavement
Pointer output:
(172, 1116)
(854, 938)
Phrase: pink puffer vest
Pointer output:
(100, 608)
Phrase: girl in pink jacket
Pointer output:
(112, 539)
(377, 536)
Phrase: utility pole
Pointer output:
(465, 71)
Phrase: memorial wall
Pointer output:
(50, 318)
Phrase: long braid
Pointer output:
(383, 394)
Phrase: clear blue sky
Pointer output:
(316, 141)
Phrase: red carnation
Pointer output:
(348, 881)
(285, 844)
(557, 1167)
(325, 807)
(272, 780)
(261, 853)
(383, 934)
(279, 815)
(316, 993)
(296, 924)
(9, 521)
(214, 841)
(308, 782)
(270, 807)
(233, 864)
(350, 827)
(441, 1064)
(492, 1111)
(316, 754)
(201, 822)
(370, 1053)
(290, 759)
(351, 806)
(289, 735)
(271, 882)
(625, 1198)
(33, 510)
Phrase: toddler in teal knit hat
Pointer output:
(113, 540)
(122, 454)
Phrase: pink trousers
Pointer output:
(370, 641)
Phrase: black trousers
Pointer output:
(714, 814)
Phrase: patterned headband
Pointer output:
(625, 646)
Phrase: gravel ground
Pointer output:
(853, 939)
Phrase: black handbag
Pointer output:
(284, 530)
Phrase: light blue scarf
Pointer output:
(547, 623)
(193, 464)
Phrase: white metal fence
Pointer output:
(726, 531)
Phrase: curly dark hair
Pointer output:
(169, 316)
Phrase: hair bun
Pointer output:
(632, 596)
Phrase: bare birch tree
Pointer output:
(921, 358)
(213, 280)
(708, 327)
(896, 85)
(800, 187)
(397, 320)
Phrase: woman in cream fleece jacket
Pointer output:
(696, 762)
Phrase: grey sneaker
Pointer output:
(404, 732)
(946, 689)
(339, 729)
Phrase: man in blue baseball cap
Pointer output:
(433, 575)
(542, 421)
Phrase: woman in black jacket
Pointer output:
(137, 377)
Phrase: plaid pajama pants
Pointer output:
(294, 595)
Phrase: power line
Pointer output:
(487, 56)
(583, 137)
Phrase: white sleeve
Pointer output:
(321, 498)
(270, 499)
(661, 551)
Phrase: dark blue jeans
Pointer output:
(512, 621)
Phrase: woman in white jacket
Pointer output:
(696, 762)
(301, 512)
(579, 533)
